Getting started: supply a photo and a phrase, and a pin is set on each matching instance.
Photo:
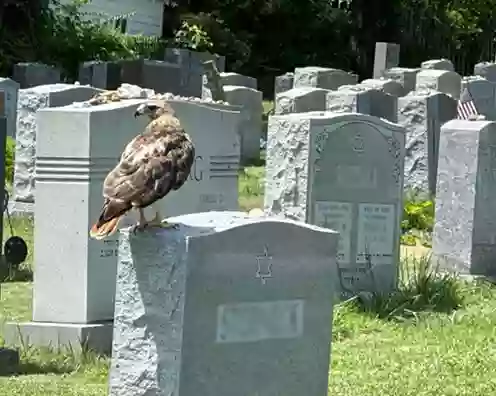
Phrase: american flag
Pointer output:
(466, 106)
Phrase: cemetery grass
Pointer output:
(435, 337)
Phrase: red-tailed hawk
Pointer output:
(153, 163)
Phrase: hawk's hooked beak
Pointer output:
(140, 110)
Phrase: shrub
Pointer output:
(418, 219)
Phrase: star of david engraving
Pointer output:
(358, 144)
(264, 264)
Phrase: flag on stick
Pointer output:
(466, 106)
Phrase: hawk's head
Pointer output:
(154, 109)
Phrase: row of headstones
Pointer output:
(239, 90)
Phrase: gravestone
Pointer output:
(344, 171)
(361, 99)
(250, 101)
(11, 89)
(300, 100)
(405, 76)
(422, 113)
(388, 86)
(438, 64)
(283, 83)
(162, 77)
(189, 65)
(322, 77)
(103, 75)
(132, 71)
(464, 238)
(76, 147)
(238, 79)
(30, 101)
(387, 55)
(486, 70)
(444, 81)
(225, 305)
(33, 74)
(483, 93)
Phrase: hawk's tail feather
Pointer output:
(101, 230)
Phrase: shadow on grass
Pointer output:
(421, 288)
(22, 274)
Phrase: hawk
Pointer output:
(154, 163)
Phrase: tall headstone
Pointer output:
(387, 55)
(343, 171)
(389, 86)
(225, 305)
(464, 238)
(29, 74)
(76, 147)
(322, 77)
(11, 89)
(422, 113)
(30, 101)
(250, 129)
(364, 100)
(483, 94)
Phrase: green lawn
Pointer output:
(415, 344)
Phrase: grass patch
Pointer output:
(251, 187)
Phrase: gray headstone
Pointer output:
(132, 71)
(363, 100)
(11, 89)
(438, 64)
(300, 100)
(388, 86)
(103, 75)
(322, 77)
(30, 101)
(464, 237)
(486, 70)
(405, 76)
(283, 83)
(225, 305)
(34, 74)
(162, 77)
(444, 81)
(483, 93)
(343, 171)
(238, 79)
(387, 55)
(422, 114)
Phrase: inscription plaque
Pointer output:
(336, 216)
(375, 239)
(257, 321)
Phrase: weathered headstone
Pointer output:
(438, 64)
(75, 149)
(103, 75)
(238, 79)
(11, 89)
(387, 55)
(388, 86)
(300, 100)
(322, 77)
(422, 114)
(283, 83)
(250, 129)
(226, 305)
(486, 70)
(30, 101)
(464, 238)
(360, 99)
(405, 76)
(444, 81)
(343, 171)
(34, 74)
(483, 94)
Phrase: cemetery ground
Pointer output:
(436, 336)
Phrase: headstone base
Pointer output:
(96, 336)
(9, 361)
